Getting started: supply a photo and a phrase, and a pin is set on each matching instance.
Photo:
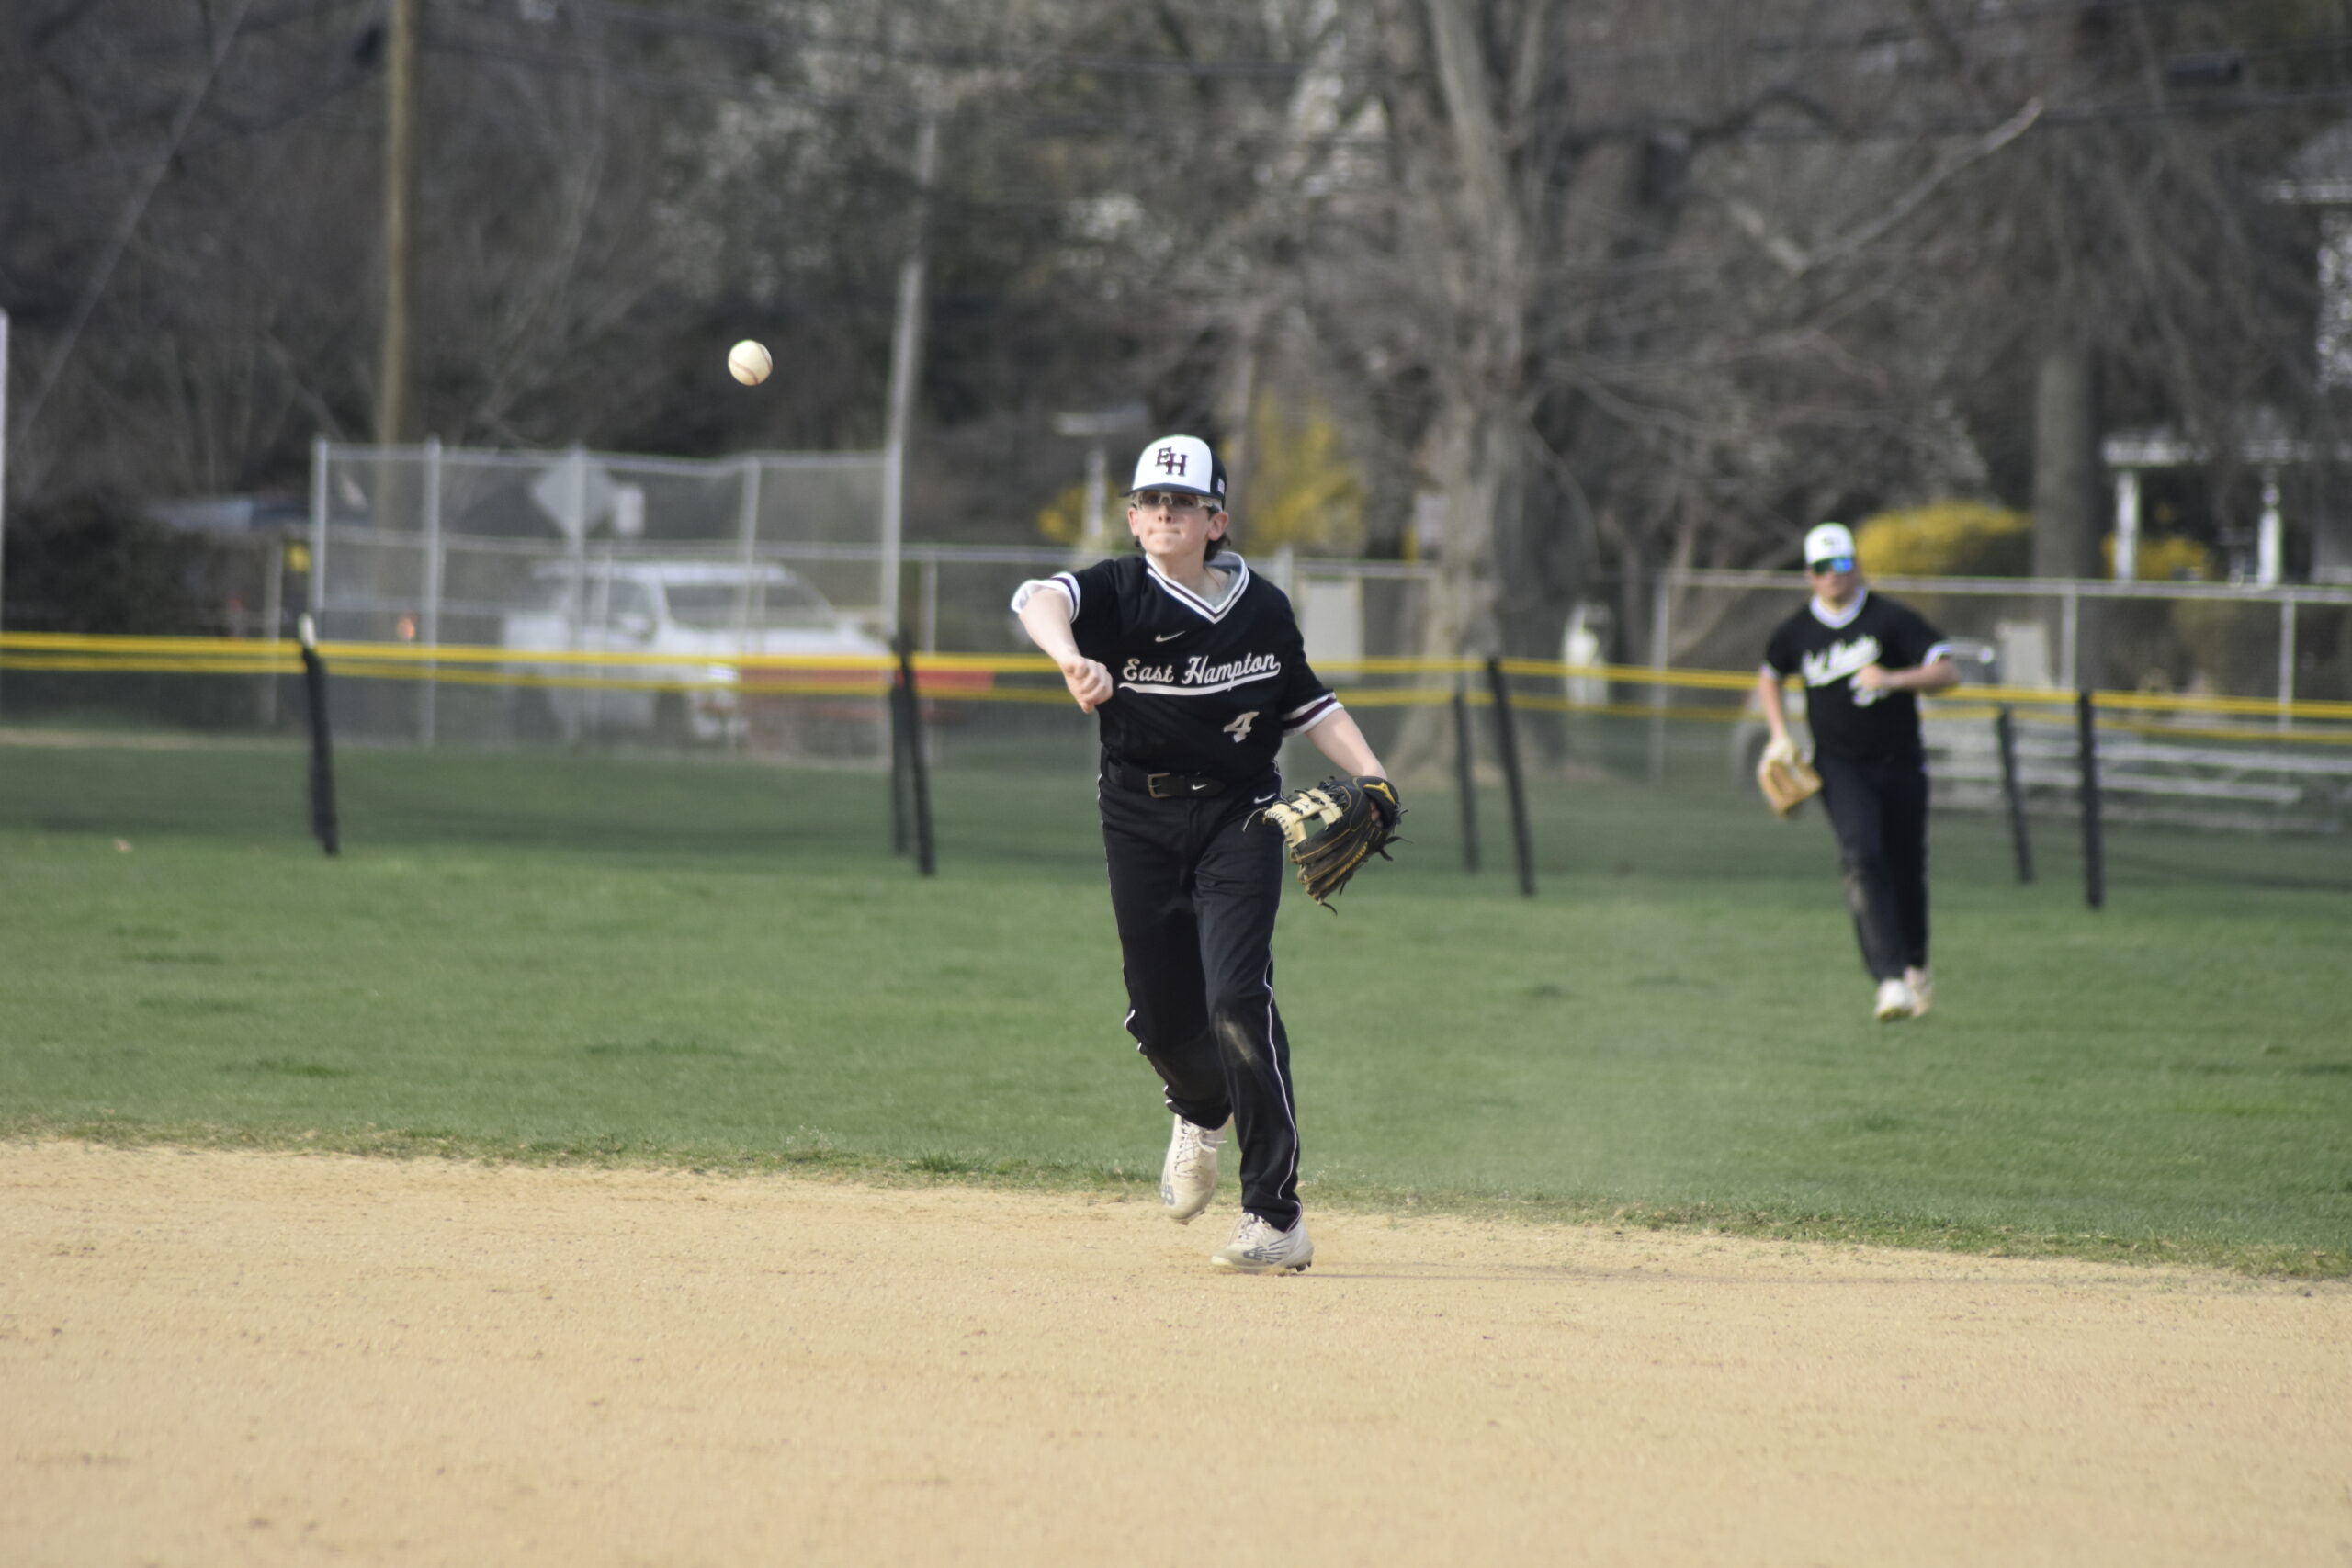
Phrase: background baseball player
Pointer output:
(1196, 672)
(1864, 657)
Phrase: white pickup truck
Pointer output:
(691, 608)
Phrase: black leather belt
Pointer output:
(1164, 786)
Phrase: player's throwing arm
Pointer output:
(1048, 624)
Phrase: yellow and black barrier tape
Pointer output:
(1385, 681)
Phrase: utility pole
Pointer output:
(906, 356)
(399, 216)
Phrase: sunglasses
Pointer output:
(1835, 563)
(1175, 501)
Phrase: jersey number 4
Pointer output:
(1240, 728)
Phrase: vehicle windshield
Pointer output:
(711, 606)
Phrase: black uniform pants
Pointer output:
(1196, 884)
(1879, 811)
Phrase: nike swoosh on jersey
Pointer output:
(1169, 637)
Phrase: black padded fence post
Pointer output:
(895, 701)
(1506, 741)
(1465, 778)
(918, 774)
(314, 682)
(2094, 847)
(2004, 730)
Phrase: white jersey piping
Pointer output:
(1193, 602)
(1061, 579)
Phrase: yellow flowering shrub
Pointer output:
(1063, 519)
(1302, 489)
(1946, 538)
(2162, 560)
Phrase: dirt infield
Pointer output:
(264, 1359)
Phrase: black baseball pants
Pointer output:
(1879, 811)
(1196, 884)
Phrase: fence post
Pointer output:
(931, 602)
(2070, 633)
(314, 677)
(910, 701)
(1661, 600)
(1506, 739)
(273, 615)
(2286, 662)
(575, 529)
(2005, 731)
(1465, 776)
(2086, 752)
(747, 546)
(429, 631)
(316, 588)
(900, 834)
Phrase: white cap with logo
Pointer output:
(1830, 541)
(1180, 462)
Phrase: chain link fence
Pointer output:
(740, 608)
(2220, 705)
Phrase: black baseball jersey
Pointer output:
(1200, 686)
(1827, 647)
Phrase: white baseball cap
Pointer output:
(1830, 541)
(1180, 462)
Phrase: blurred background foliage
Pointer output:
(1946, 538)
(2174, 559)
(1597, 286)
(1306, 491)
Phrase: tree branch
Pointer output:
(1796, 261)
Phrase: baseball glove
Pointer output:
(1358, 819)
(1787, 779)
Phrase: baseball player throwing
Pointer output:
(1196, 672)
(1863, 658)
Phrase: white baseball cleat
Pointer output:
(1257, 1247)
(1923, 990)
(1188, 1176)
(1894, 1000)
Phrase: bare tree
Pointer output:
(1606, 284)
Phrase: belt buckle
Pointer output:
(1151, 782)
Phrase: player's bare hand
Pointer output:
(1873, 678)
(1088, 682)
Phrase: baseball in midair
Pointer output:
(749, 363)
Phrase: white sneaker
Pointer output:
(1894, 1000)
(1257, 1247)
(1923, 990)
(1188, 1176)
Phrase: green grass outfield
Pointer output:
(716, 964)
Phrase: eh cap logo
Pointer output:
(1180, 462)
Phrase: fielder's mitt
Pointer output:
(1358, 821)
(1787, 780)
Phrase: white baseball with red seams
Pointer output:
(749, 363)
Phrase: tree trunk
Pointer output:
(2066, 492)
(2066, 466)
(1478, 455)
